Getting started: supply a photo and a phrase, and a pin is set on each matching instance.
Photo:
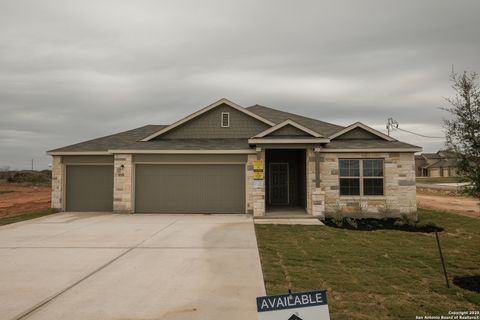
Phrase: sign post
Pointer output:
(294, 306)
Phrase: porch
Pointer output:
(289, 188)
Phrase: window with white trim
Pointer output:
(225, 119)
(361, 177)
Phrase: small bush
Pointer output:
(471, 283)
(35, 177)
(372, 224)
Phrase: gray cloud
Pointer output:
(72, 70)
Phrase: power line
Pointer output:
(419, 134)
(393, 124)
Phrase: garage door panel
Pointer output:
(89, 188)
(190, 188)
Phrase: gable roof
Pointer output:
(278, 116)
(364, 127)
(134, 141)
(288, 122)
(206, 109)
(443, 163)
(431, 155)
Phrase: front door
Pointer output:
(279, 184)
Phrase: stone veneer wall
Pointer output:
(122, 184)
(399, 186)
(310, 158)
(315, 196)
(255, 196)
(57, 183)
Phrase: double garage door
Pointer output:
(161, 188)
(190, 188)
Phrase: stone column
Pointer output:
(57, 183)
(122, 184)
(315, 194)
(255, 188)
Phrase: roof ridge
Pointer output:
(294, 114)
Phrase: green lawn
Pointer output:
(25, 216)
(434, 180)
(383, 274)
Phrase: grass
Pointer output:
(383, 274)
(430, 180)
(25, 216)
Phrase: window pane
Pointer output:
(349, 187)
(349, 168)
(372, 168)
(373, 187)
(367, 168)
(354, 168)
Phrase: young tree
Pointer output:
(463, 129)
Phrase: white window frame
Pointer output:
(228, 120)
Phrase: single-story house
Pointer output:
(443, 163)
(226, 158)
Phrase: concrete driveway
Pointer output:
(113, 266)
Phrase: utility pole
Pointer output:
(32, 164)
(391, 125)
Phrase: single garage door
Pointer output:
(190, 188)
(89, 188)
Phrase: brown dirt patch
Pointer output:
(23, 199)
(455, 204)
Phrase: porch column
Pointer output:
(58, 183)
(318, 196)
(317, 167)
(255, 188)
(122, 183)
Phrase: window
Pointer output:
(361, 177)
(225, 119)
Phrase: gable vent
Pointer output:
(225, 119)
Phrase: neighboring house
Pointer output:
(440, 164)
(228, 159)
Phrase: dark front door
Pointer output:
(279, 184)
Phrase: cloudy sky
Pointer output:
(76, 70)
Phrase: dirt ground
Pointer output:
(16, 199)
(456, 204)
(20, 199)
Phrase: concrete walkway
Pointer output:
(112, 266)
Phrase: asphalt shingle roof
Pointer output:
(130, 140)
(444, 163)
(324, 128)
(367, 144)
(188, 144)
(114, 141)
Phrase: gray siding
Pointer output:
(152, 158)
(196, 188)
(89, 188)
(87, 159)
(289, 130)
(358, 134)
(208, 126)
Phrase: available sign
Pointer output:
(294, 306)
(258, 173)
